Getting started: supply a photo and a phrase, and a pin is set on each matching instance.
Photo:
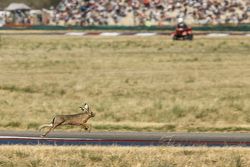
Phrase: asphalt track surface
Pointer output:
(126, 138)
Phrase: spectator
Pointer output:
(148, 12)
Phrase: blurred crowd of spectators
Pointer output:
(150, 12)
(137, 12)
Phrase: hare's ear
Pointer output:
(83, 109)
(86, 106)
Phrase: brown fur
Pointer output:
(74, 119)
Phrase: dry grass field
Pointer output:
(132, 83)
(35, 156)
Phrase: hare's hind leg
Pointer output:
(50, 129)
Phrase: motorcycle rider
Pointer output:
(182, 30)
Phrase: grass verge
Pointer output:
(123, 156)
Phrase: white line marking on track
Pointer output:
(110, 34)
(43, 138)
(75, 33)
(217, 35)
(145, 34)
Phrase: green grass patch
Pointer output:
(14, 88)
(13, 124)
(33, 125)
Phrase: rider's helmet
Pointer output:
(180, 20)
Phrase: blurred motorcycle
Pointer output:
(183, 34)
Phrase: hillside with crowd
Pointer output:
(140, 12)
(150, 12)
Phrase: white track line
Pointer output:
(111, 34)
(75, 33)
(43, 138)
(145, 34)
(217, 35)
